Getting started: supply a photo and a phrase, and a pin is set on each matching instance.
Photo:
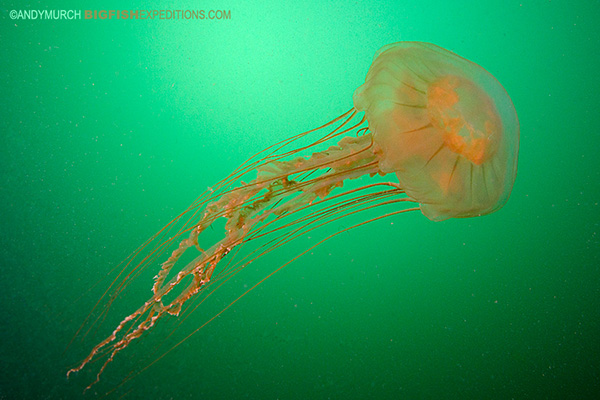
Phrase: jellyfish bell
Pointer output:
(442, 124)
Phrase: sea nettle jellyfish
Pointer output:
(443, 125)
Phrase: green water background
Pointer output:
(111, 128)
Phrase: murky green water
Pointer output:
(111, 128)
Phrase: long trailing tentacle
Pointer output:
(283, 186)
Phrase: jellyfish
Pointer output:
(442, 124)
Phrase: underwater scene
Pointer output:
(300, 200)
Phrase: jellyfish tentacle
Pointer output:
(274, 191)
